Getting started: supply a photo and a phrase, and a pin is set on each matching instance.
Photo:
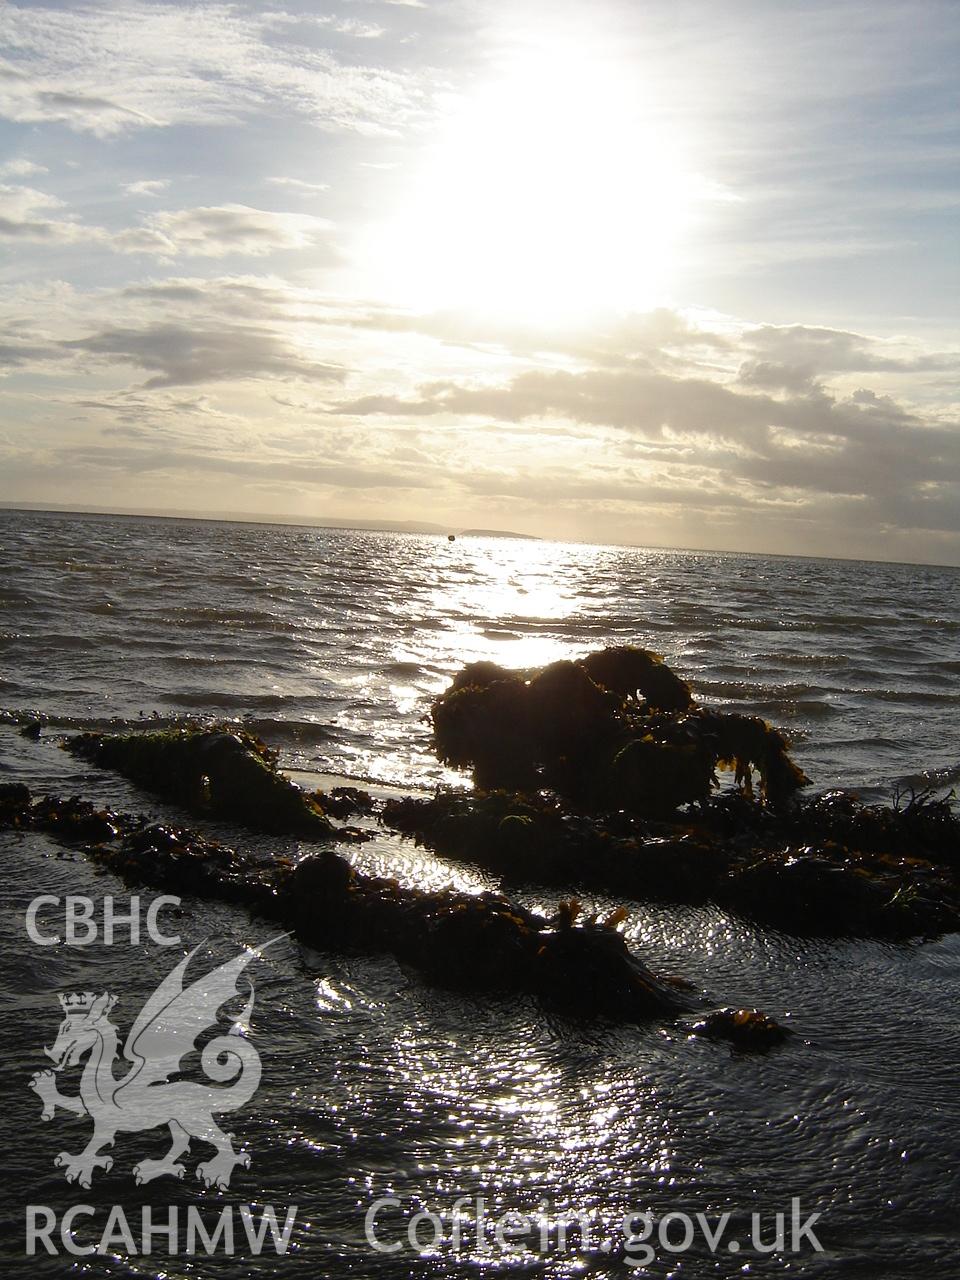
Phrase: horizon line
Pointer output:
(426, 529)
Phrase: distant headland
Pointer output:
(498, 533)
(246, 517)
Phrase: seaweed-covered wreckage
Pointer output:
(220, 774)
(602, 773)
(482, 942)
(618, 729)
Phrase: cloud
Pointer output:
(216, 231)
(19, 352)
(351, 27)
(800, 446)
(147, 187)
(27, 99)
(824, 351)
(298, 185)
(184, 64)
(25, 214)
(207, 465)
(191, 331)
(206, 232)
(254, 295)
(192, 354)
(20, 168)
(768, 375)
(149, 414)
(666, 433)
(643, 401)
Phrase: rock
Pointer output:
(743, 1028)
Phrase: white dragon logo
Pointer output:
(164, 1032)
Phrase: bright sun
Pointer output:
(549, 194)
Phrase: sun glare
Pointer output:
(550, 192)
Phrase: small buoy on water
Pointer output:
(451, 537)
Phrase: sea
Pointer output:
(416, 1132)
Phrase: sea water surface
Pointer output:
(330, 644)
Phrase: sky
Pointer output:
(675, 273)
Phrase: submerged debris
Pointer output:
(599, 773)
(743, 1028)
(217, 771)
(344, 802)
(830, 866)
(618, 729)
(603, 772)
(476, 942)
(541, 839)
(462, 941)
(73, 820)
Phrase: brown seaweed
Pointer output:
(830, 866)
(481, 942)
(617, 729)
(215, 771)
(743, 1028)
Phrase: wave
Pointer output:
(793, 659)
(404, 669)
(751, 689)
(916, 697)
